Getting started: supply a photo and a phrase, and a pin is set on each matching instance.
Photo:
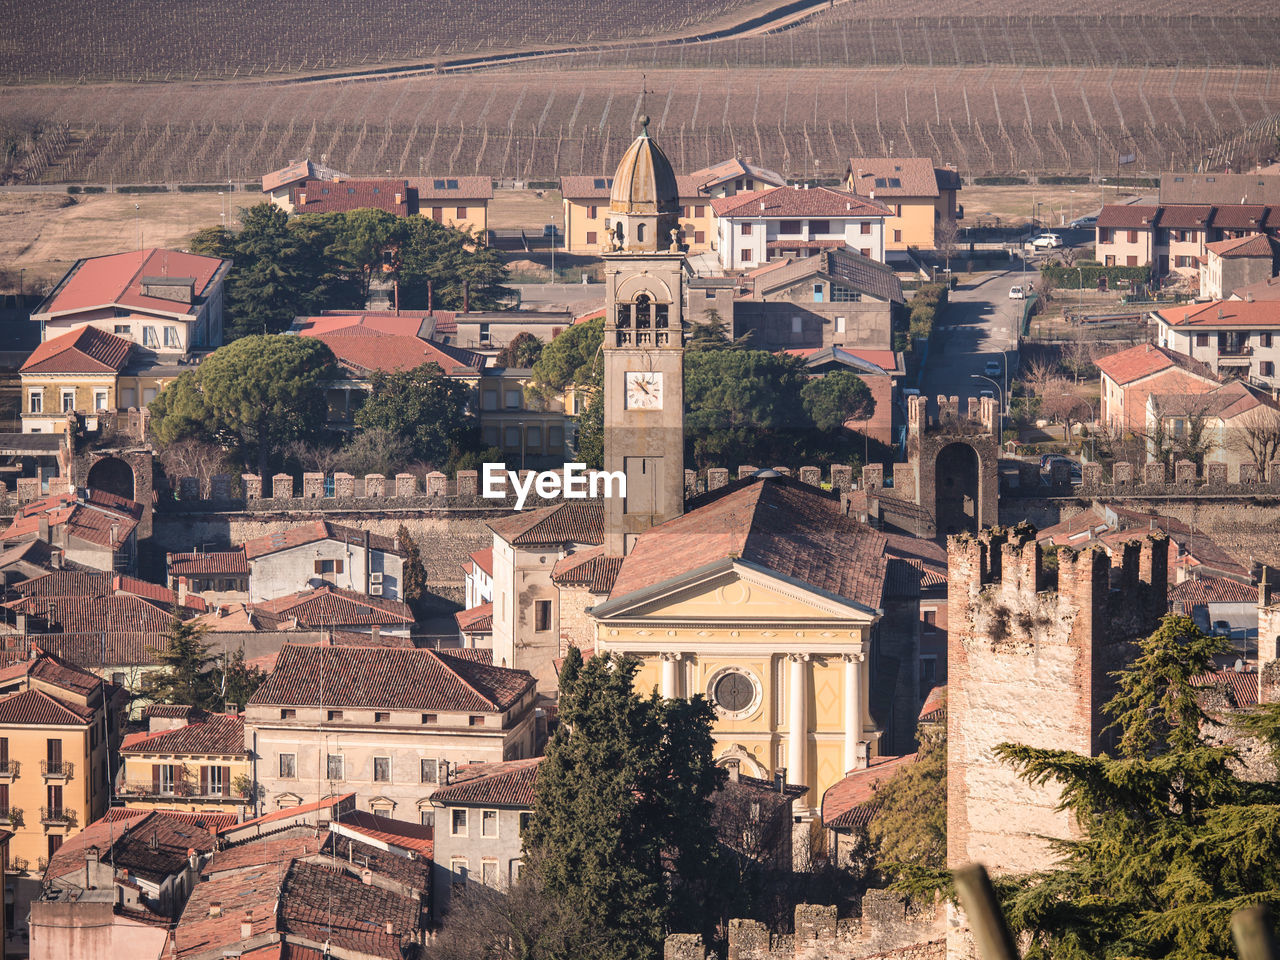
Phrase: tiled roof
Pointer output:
(206, 820)
(508, 784)
(48, 667)
(332, 606)
(774, 246)
(1185, 216)
(307, 910)
(1226, 402)
(226, 562)
(34, 552)
(302, 170)
(406, 323)
(1244, 216)
(123, 583)
(568, 522)
(392, 678)
(334, 196)
(100, 649)
(65, 583)
(588, 568)
(781, 525)
(1130, 216)
(718, 173)
(171, 711)
(1181, 187)
(1146, 359)
(84, 350)
(313, 532)
(846, 805)
(92, 515)
(1223, 313)
(39, 709)
(118, 280)
(365, 351)
(152, 846)
(843, 264)
(897, 176)
(217, 735)
(1268, 289)
(394, 865)
(935, 706)
(119, 613)
(483, 559)
(1256, 245)
(397, 833)
(793, 202)
(1212, 590)
(451, 187)
(335, 804)
(257, 891)
(476, 619)
(1240, 686)
(586, 188)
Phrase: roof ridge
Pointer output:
(463, 680)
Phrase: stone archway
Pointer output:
(737, 755)
(957, 489)
(112, 475)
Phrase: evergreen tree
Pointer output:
(910, 825)
(451, 265)
(522, 352)
(572, 359)
(836, 398)
(413, 577)
(590, 433)
(187, 676)
(1174, 839)
(622, 817)
(238, 680)
(428, 409)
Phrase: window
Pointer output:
(122, 329)
(437, 213)
(526, 817)
(1133, 236)
(429, 718)
(817, 293)
(288, 766)
(489, 399)
(744, 255)
(427, 817)
(1264, 340)
(215, 779)
(591, 236)
(335, 714)
(699, 236)
(511, 399)
(840, 324)
(1133, 261)
(751, 184)
(819, 226)
(323, 567)
(511, 438)
(640, 233)
(1202, 339)
(897, 236)
(68, 401)
(866, 252)
(797, 325)
(333, 766)
(458, 867)
(1104, 234)
(533, 438)
(745, 230)
(99, 400)
(515, 870)
(489, 823)
(930, 618)
(489, 872)
(789, 227)
(164, 777)
(149, 338)
(382, 718)
(117, 678)
(462, 213)
(128, 397)
(35, 402)
(475, 720)
(1266, 369)
(148, 394)
(555, 439)
(928, 675)
(737, 184)
(541, 615)
(288, 713)
(593, 211)
(841, 294)
(171, 337)
(458, 823)
(700, 210)
(430, 770)
(865, 229)
(381, 769)
(1109, 260)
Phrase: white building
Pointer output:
(798, 221)
(479, 572)
(1235, 338)
(323, 552)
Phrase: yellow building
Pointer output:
(76, 372)
(920, 195)
(461, 202)
(188, 761)
(588, 220)
(56, 725)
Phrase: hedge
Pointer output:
(998, 181)
(542, 185)
(143, 188)
(1134, 181)
(201, 187)
(1062, 179)
(925, 306)
(95, 189)
(73, 189)
(1069, 278)
(252, 187)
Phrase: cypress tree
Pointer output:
(413, 575)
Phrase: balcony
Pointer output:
(9, 770)
(1234, 350)
(11, 818)
(57, 817)
(56, 769)
(184, 789)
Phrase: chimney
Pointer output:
(399, 198)
(193, 858)
(734, 773)
(215, 908)
(155, 840)
(430, 298)
(1248, 297)
(390, 928)
(182, 590)
(302, 199)
(55, 558)
(872, 195)
(366, 877)
(246, 925)
(396, 287)
(780, 779)
(1219, 313)
(373, 633)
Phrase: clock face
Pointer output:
(734, 692)
(644, 390)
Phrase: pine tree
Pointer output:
(413, 575)
(622, 817)
(238, 680)
(910, 825)
(187, 677)
(1174, 839)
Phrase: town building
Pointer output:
(1232, 424)
(278, 185)
(478, 571)
(1220, 189)
(1239, 262)
(90, 527)
(1233, 338)
(342, 196)
(757, 227)
(309, 555)
(1218, 602)
(921, 197)
(326, 607)
(1172, 238)
(589, 220)
(381, 723)
(217, 576)
(731, 177)
(458, 202)
(848, 807)
(74, 373)
(1131, 376)
(197, 762)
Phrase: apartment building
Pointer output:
(75, 373)
(1173, 238)
(920, 196)
(1234, 338)
(1229, 265)
(194, 762)
(1130, 376)
(319, 552)
(458, 202)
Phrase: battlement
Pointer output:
(982, 415)
(1143, 480)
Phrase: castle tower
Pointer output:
(643, 346)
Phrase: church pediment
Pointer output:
(734, 591)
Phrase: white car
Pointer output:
(1046, 241)
(1017, 293)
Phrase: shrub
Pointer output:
(201, 187)
(95, 189)
(1069, 278)
(1063, 179)
(143, 188)
(73, 189)
(1002, 181)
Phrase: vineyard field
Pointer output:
(526, 125)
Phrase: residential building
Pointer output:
(91, 527)
(1172, 238)
(312, 554)
(752, 818)
(1231, 424)
(731, 177)
(849, 806)
(1220, 188)
(1239, 262)
(1213, 601)
(200, 766)
(1129, 376)
(478, 571)
(767, 224)
(589, 221)
(216, 577)
(332, 608)
(166, 303)
(880, 370)
(278, 185)
(920, 196)
(76, 372)
(381, 722)
(492, 330)
(458, 202)
(1258, 290)
(340, 196)
(475, 626)
(1234, 338)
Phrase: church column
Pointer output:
(671, 675)
(797, 718)
(853, 708)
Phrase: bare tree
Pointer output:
(945, 235)
(1179, 428)
(1078, 354)
(1256, 435)
(192, 458)
(1069, 256)
(1060, 404)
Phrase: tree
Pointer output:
(945, 235)
(590, 434)
(445, 266)
(376, 450)
(255, 394)
(1257, 436)
(621, 827)
(744, 406)
(187, 676)
(522, 352)
(910, 826)
(426, 408)
(836, 398)
(362, 239)
(572, 359)
(1174, 839)
(709, 333)
(413, 575)
(237, 680)
(1191, 439)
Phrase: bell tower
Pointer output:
(643, 346)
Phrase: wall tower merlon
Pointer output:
(1153, 573)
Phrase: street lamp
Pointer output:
(1000, 411)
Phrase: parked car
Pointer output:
(1221, 628)
(551, 230)
(1049, 459)
(1046, 241)
(992, 369)
(1083, 223)
(1017, 293)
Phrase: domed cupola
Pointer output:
(644, 205)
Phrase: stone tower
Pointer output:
(643, 346)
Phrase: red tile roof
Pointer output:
(935, 706)
(65, 583)
(365, 350)
(483, 559)
(793, 202)
(123, 583)
(569, 522)
(337, 805)
(217, 735)
(152, 845)
(779, 524)
(395, 833)
(452, 188)
(847, 803)
(476, 619)
(1268, 289)
(313, 532)
(121, 613)
(1223, 313)
(733, 169)
(507, 784)
(1256, 245)
(1147, 359)
(84, 350)
(331, 606)
(37, 708)
(1185, 216)
(100, 649)
(406, 323)
(1243, 216)
(586, 188)
(226, 563)
(358, 923)
(1192, 593)
(897, 176)
(1231, 400)
(206, 820)
(48, 667)
(117, 280)
(1130, 216)
(391, 678)
(588, 568)
(1240, 686)
(336, 196)
(90, 515)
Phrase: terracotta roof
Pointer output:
(152, 846)
(1185, 216)
(1222, 313)
(206, 820)
(48, 667)
(313, 532)
(338, 804)
(37, 553)
(1192, 593)
(65, 583)
(365, 351)
(392, 678)
(935, 706)
(843, 264)
(83, 350)
(307, 899)
(846, 805)
(1231, 400)
(171, 710)
(366, 848)
(1180, 187)
(780, 524)
(217, 735)
(117, 280)
(1240, 686)
(509, 784)
(1256, 245)
(476, 619)
(122, 613)
(1243, 216)
(733, 169)
(451, 187)
(90, 515)
(100, 649)
(328, 605)
(1147, 359)
(1131, 216)
(407, 323)
(805, 245)
(873, 362)
(793, 202)
(1268, 289)
(302, 170)
(335, 196)
(396, 833)
(570, 522)
(226, 562)
(588, 568)
(38, 708)
(255, 890)
(483, 559)
(586, 188)
(899, 176)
